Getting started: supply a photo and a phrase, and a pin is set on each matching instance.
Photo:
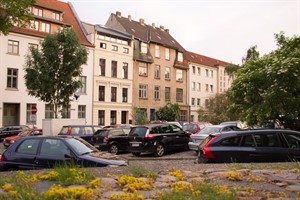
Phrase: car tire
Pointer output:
(136, 153)
(159, 150)
(113, 149)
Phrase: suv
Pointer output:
(113, 140)
(84, 131)
(7, 131)
(157, 139)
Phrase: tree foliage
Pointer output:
(217, 110)
(268, 88)
(169, 112)
(139, 116)
(14, 12)
(52, 74)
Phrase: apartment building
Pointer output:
(113, 75)
(15, 103)
(159, 71)
(207, 77)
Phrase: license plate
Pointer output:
(135, 144)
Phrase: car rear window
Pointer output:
(138, 131)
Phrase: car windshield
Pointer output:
(80, 146)
(209, 129)
(138, 131)
(24, 133)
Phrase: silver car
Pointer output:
(197, 138)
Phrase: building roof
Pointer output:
(146, 33)
(69, 18)
(204, 60)
(112, 32)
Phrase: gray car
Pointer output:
(197, 138)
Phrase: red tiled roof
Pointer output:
(69, 17)
(204, 60)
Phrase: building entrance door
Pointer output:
(11, 114)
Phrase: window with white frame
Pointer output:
(81, 111)
(194, 69)
(199, 70)
(143, 47)
(168, 73)
(143, 69)
(29, 107)
(125, 95)
(114, 48)
(167, 53)
(193, 101)
(179, 94)
(37, 12)
(157, 51)
(113, 94)
(143, 91)
(34, 25)
(101, 117)
(102, 67)
(180, 57)
(45, 27)
(198, 101)
(113, 117)
(125, 50)
(206, 72)
(167, 94)
(82, 89)
(199, 86)
(13, 47)
(157, 71)
(102, 45)
(193, 85)
(56, 16)
(125, 71)
(49, 111)
(179, 75)
(101, 93)
(156, 92)
(12, 78)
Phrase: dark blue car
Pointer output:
(47, 151)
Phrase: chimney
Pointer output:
(129, 17)
(118, 13)
(167, 30)
(142, 21)
(161, 27)
(153, 25)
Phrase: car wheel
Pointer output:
(136, 153)
(113, 149)
(159, 150)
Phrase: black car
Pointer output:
(35, 152)
(7, 131)
(258, 145)
(86, 132)
(157, 139)
(113, 140)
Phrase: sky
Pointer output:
(220, 29)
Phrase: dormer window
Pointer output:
(180, 57)
(143, 47)
(37, 12)
(56, 16)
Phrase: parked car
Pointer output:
(194, 127)
(49, 151)
(241, 125)
(197, 138)
(28, 132)
(126, 127)
(113, 140)
(7, 131)
(260, 145)
(157, 139)
(84, 131)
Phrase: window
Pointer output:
(56, 16)
(157, 71)
(167, 93)
(31, 45)
(49, 111)
(211, 73)
(267, 140)
(180, 57)
(198, 102)
(143, 91)
(248, 141)
(232, 141)
(178, 75)
(12, 78)
(199, 71)
(45, 27)
(156, 92)
(102, 67)
(81, 111)
(157, 51)
(113, 94)
(101, 117)
(113, 117)
(28, 112)
(114, 48)
(199, 86)
(114, 68)
(34, 25)
(211, 88)
(193, 101)
(13, 47)
(194, 69)
(167, 73)
(206, 87)
(182, 115)
(101, 93)
(82, 89)
(124, 95)
(143, 47)
(125, 50)
(125, 71)
(192, 118)
(37, 12)
(29, 146)
(206, 72)
(66, 112)
(102, 45)
(193, 85)
(293, 140)
(179, 94)
(143, 69)
(167, 53)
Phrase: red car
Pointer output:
(29, 132)
(194, 127)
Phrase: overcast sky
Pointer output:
(221, 29)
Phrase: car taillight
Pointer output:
(149, 137)
(206, 150)
(105, 139)
(2, 158)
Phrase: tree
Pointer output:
(52, 74)
(252, 54)
(268, 88)
(217, 110)
(169, 112)
(139, 116)
(14, 12)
